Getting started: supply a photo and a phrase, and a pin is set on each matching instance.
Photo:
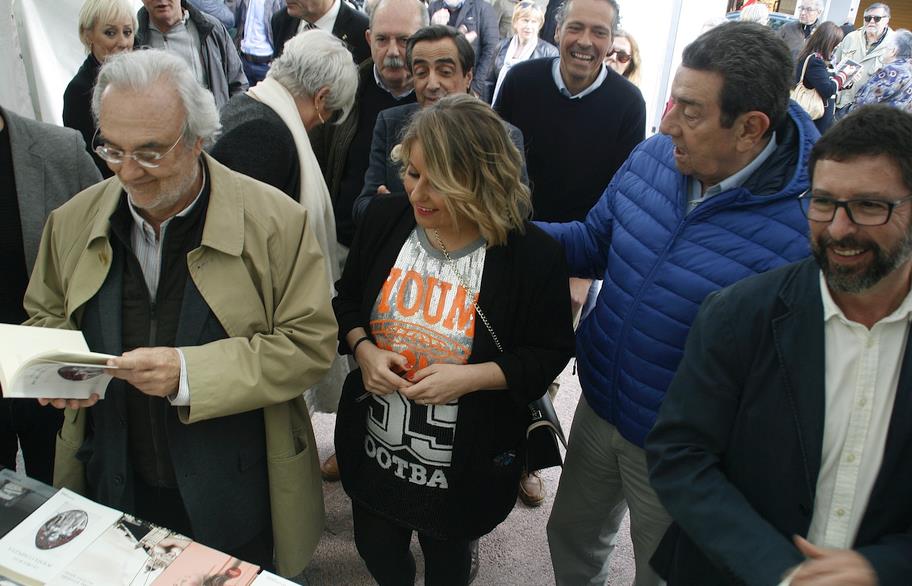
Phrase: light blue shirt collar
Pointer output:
(562, 87)
(731, 182)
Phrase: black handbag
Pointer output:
(544, 430)
(542, 436)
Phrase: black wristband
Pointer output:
(358, 341)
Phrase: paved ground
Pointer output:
(514, 553)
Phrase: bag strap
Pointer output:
(472, 295)
(804, 68)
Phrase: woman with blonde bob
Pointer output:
(106, 27)
(523, 45)
(457, 311)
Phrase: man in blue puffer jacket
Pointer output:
(710, 201)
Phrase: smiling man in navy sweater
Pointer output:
(579, 120)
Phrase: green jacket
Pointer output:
(256, 269)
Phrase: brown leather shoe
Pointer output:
(329, 469)
(531, 489)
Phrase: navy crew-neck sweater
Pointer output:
(573, 146)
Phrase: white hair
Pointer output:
(758, 13)
(139, 71)
(902, 42)
(316, 59)
(93, 11)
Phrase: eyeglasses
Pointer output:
(620, 56)
(147, 159)
(874, 18)
(864, 212)
(807, 9)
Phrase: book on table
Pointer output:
(132, 552)
(50, 364)
(269, 579)
(49, 539)
(20, 496)
(199, 564)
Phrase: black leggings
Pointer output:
(384, 547)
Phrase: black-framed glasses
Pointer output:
(864, 212)
(147, 159)
(620, 56)
(874, 18)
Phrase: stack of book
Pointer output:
(59, 538)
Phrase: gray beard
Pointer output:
(842, 280)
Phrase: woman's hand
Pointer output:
(379, 369)
(439, 384)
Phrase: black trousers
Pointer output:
(384, 547)
(165, 507)
(25, 422)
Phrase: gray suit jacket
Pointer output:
(50, 165)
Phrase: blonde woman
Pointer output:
(624, 57)
(457, 311)
(528, 19)
(106, 27)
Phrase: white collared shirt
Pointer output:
(562, 87)
(698, 196)
(383, 87)
(147, 247)
(325, 22)
(862, 373)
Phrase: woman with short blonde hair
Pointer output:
(106, 27)
(457, 311)
(527, 21)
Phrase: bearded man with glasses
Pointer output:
(796, 34)
(782, 448)
(867, 46)
(200, 281)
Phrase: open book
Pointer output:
(848, 69)
(49, 363)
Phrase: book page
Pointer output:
(19, 344)
(199, 564)
(267, 579)
(20, 496)
(39, 379)
(53, 536)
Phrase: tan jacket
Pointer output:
(855, 47)
(256, 269)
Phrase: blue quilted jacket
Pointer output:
(658, 263)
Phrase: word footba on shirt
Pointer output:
(414, 472)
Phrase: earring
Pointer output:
(317, 109)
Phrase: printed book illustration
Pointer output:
(848, 69)
(20, 496)
(49, 363)
(132, 552)
(199, 564)
(266, 579)
(49, 539)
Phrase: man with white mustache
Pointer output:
(710, 201)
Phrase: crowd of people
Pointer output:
(416, 215)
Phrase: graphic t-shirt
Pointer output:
(425, 314)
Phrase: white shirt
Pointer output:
(562, 87)
(325, 22)
(862, 373)
(255, 41)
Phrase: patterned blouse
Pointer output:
(891, 85)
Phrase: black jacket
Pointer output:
(736, 452)
(77, 108)
(350, 26)
(525, 296)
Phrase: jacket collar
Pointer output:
(224, 228)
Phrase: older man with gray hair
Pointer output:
(199, 281)
(796, 34)
(868, 46)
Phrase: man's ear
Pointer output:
(367, 36)
(752, 126)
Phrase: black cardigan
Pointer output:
(77, 108)
(525, 296)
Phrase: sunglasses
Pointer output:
(620, 56)
(874, 18)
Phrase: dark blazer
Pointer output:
(50, 165)
(524, 295)
(736, 451)
(350, 27)
(542, 49)
(477, 16)
(77, 108)
(256, 142)
(818, 78)
(382, 170)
